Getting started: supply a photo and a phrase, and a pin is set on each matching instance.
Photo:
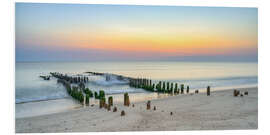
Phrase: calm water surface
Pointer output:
(29, 87)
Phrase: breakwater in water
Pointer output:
(75, 86)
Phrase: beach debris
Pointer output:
(110, 100)
(115, 109)
(236, 92)
(196, 91)
(126, 99)
(155, 108)
(241, 95)
(171, 113)
(208, 90)
(133, 105)
(148, 105)
(187, 89)
(246, 93)
(123, 113)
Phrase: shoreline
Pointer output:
(224, 111)
(118, 98)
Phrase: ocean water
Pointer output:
(29, 87)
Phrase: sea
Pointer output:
(35, 96)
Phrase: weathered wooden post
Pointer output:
(96, 95)
(81, 97)
(168, 86)
(163, 87)
(171, 90)
(87, 99)
(109, 108)
(123, 113)
(187, 89)
(175, 88)
(148, 105)
(126, 99)
(115, 109)
(208, 90)
(236, 93)
(182, 88)
(110, 101)
(101, 94)
(102, 102)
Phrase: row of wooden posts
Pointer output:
(71, 79)
(162, 87)
(77, 92)
(45, 77)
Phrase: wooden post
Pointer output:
(182, 88)
(175, 88)
(171, 90)
(126, 99)
(236, 93)
(87, 99)
(115, 109)
(148, 105)
(110, 101)
(163, 87)
(109, 108)
(123, 113)
(102, 102)
(208, 90)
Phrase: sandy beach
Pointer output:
(220, 111)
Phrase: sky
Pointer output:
(89, 32)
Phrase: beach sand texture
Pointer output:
(219, 111)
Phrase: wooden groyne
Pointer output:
(45, 77)
(75, 86)
(148, 84)
(71, 79)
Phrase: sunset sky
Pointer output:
(76, 32)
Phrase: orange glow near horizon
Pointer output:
(196, 42)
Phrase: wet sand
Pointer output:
(219, 111)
